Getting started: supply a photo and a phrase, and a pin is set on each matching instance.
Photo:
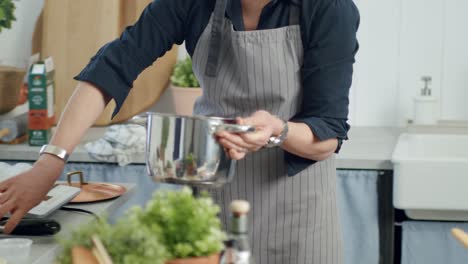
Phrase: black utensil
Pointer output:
(34, 227)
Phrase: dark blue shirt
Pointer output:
(328, 33)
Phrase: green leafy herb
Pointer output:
(187, 226)
(183, 75)
(127, 242)
(7, 9)
(174, 224)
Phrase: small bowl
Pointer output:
(15, 250)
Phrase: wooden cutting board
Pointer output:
(73, 31)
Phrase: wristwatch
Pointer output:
(278, 140)
(55, 151)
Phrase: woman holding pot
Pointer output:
(283, 66)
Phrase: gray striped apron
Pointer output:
(293, 219)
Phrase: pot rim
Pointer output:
(198, 117)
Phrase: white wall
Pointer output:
(15, 43)
(401, 41)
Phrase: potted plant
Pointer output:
(173, 228)
(185, 87)
(127, 242)
(11, 78)
(168, 169)
(190, 165)
(188, 226)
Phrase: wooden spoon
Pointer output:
(100, 251)
(4, 132)
(461, 236)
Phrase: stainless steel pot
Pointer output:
(184, 150)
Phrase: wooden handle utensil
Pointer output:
(4, 132)
(100, 251)
(81, 255)
(461, 236)
(97, 255)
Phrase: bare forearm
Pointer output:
(81, 111)
(302, 142)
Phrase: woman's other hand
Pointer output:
(238, 145)
(26, 190)
(300, 141)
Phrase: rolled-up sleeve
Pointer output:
(117, 64)
(327, 72)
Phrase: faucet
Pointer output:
(426, 91)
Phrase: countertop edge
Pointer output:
(369, 148)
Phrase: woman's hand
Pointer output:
(301, 141)
(26, 190)
(238, 145)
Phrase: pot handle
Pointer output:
(235, 128)
(140, 120)
(80, 175)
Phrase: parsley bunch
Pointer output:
(127, 242)
(174, 224)
(187, 226)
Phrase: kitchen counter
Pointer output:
(44, 249)
(367, 148)
(24, 152)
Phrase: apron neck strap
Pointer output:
(217, 28)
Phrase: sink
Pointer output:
(431, 176)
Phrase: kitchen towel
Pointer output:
(10, 170)
(120, 144)
(357, 201)
(432, 243)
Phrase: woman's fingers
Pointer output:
(4, 185)
(248, 140)
(13, 221)
(258, 138)
(230, 145)
(234, 141)
(236, 155)
(4, 196)
(242, 143)
(6, 208)
(24, 191)
(237, 145)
